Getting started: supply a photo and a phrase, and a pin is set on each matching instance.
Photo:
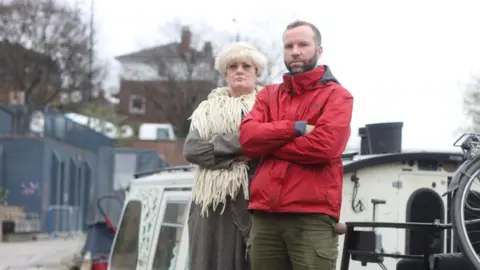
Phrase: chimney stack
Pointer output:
(207, 48)
(186, 40)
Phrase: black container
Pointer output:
(384, 138)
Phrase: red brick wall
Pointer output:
(172, 150)
(152, 113)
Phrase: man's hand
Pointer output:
(309, 129)
(243, 158)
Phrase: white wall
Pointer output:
(378, 183)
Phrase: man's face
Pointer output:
(300, 52)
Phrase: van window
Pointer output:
(168, 244)
(163, 134)
(125, 251)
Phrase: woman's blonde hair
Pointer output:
(240, 51)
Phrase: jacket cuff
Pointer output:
(300, 128)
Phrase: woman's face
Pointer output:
(241, 77)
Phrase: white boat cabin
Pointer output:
(152, 233)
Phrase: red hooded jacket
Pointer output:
(298, 173)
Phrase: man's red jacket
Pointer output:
(298, 173)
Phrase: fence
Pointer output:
(15, 120)
(31, 224)
(63, 220)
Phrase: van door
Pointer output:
(170, 247)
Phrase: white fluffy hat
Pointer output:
(237, 52)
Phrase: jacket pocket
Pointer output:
(261, 183)
(334, 187)
(321, 185)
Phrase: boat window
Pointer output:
(168, 244)
(125, 249)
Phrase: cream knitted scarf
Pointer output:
(220, 113)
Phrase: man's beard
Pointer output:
(307, 66)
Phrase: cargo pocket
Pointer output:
(328, 258)
(325, 242)
(327, 250)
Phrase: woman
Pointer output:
(219, 222)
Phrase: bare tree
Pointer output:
(183, 74)
(267, 39)
(471, 104)
(273, 51)
(46, 52)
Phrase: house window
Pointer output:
(137, 104)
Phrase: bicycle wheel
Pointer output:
(459, 201)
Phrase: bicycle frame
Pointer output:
(468, 146)
(453, 186)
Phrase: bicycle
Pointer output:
(459, 187)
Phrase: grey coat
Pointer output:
(217, 241)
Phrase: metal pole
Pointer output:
(237, 36)
(92, 36)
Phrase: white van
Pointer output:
(152, 232)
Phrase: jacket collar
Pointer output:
(309, 80)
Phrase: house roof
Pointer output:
(28, 54)
(167, 50)
(25, 58)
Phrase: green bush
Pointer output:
(3, 195)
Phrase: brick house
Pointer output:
(157, 68)
(142, 70)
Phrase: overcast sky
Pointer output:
(402, 60)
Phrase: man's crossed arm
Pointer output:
(299, 142)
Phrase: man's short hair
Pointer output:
(317, 36)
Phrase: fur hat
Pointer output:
(240, 51)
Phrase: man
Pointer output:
(299, 128)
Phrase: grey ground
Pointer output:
(49, 254)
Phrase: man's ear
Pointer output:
(319, 51)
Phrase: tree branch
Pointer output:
(48, 50)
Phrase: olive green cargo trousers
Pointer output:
(284, 241)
